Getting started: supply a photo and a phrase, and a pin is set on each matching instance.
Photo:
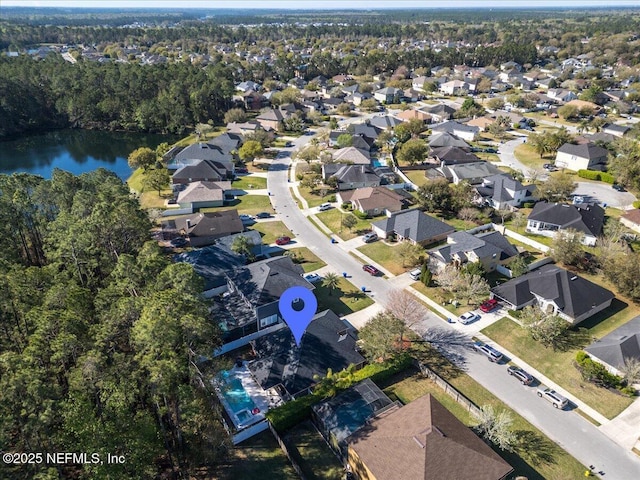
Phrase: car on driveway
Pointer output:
(370, 237)
(312, 277)
(245, 218)
(373, 271)
(415, 274)
(263, 215)
(468, 317)
(550, 167)
(557, 400)
(520, 374)
(491, 150)
(324, 206)
(241, 170)
(489, 305)
(283, 240)
(618, 188)
(491, 353)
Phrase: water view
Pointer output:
(76, 151)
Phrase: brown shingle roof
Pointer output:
(633, 216)
(423, 440)
(374, 197)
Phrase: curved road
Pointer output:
(576, 435)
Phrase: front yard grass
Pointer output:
(308, 260)
(250, 182)
(536, 457)
(527, 155)
(311, 453)
(344, 300)
(385, 255)
(257, 457)
(269, 231)
(250, 204)
(333, 220)
(417, 176)
(314, 198)
(440, 296)
(559, 366)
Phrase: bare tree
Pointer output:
(473, 288)
(496, 426)
(449, 279)
(401, 304)
(630, 370)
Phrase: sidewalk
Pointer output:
(625, 428)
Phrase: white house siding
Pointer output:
(571, 162)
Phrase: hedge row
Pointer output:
(598, 374)
(599, 176)
(290, 414)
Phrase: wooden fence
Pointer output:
(285, 449)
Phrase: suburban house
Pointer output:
(490, 249)
(452, 156)
(503, 192)
(271, 120)
(350, 176)
(412, 114)
(615, 129)
(548, 218)
(465, 132)
(472, 173)
(204, 194)
(250, 304)
(441, 113)
(202, 151)
(457, 87)
(373, 201)
(202, 171)
(352, 155)
(413, 225)
(561, 95)
(631, 219)
(586, 156)
(386, 122)
(388, 95)
(446, 139)
(614, 349)
(422, 441)
(483, 123)
(366, 130)
(203, 229)
(327, 344)
(555, 291)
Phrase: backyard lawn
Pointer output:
(385, 255)
(256, 458)
(148, 197)
(311, 453)
(250, 204)
(438, 295)
(417, 177)
(250, 182)
(559, 366)
(333, 220)
(344, 300)
(536, 457)
(271, 230)
(309, 261)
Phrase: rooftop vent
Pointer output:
(418, 442)
(575, 277)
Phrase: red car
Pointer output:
(489, 305)
(371, 270)
(282, 240)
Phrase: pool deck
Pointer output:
(264, 400)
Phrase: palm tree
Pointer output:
(331, 281)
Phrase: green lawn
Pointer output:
(333, 220)
(527, 155)
(558, 366)
(309, 261)
(256, 458)
(250, 182)
(438, 295)
(312, 454)
(148, 198)
(250, 204)
(344, 300)
(417, 176)
(385, 255)
(314, 199)
(272, 230)
(457, 223)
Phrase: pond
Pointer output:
(76, 151)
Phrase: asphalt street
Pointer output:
(575, 434)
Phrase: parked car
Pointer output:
(263, 215)
(245, 218)
(491, 150)
(618, 188)
(557, 400)
(468, 317)
(370, 237)
(520, 374)
(373, 271)
(324, 206)
(489, 305)
(415, 273)
(283, 240)
(178, 242)
(550, 167)
(491, 353)
(288, 144)
(312, 277)
(241, 170)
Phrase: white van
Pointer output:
(323, 207)
(415, 273)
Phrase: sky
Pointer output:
(315, 4)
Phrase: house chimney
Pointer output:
(188, 223)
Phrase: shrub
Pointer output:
(528, 204)
(628, 391)
(346, 206)
(331, 198)
(514, 313)
(360, 215)
(636, 204)
(599, 176)
(581, 356)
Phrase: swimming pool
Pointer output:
(377, 163)
(236, 397)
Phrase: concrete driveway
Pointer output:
(604, 195)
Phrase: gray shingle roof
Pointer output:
(584, 150)
(212, 263)
(573, 294)
(415, 225)
(203, 191)
(201, 170)
(622, 343)
(483, 245)
(585, 217)
(350, 173)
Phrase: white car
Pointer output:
(415, 273)
(312, 277)
(557, 400)
(245, 218)
(468, 317)
(323, 207)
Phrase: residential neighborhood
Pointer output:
(463, 213)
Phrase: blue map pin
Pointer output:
(297, 316)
